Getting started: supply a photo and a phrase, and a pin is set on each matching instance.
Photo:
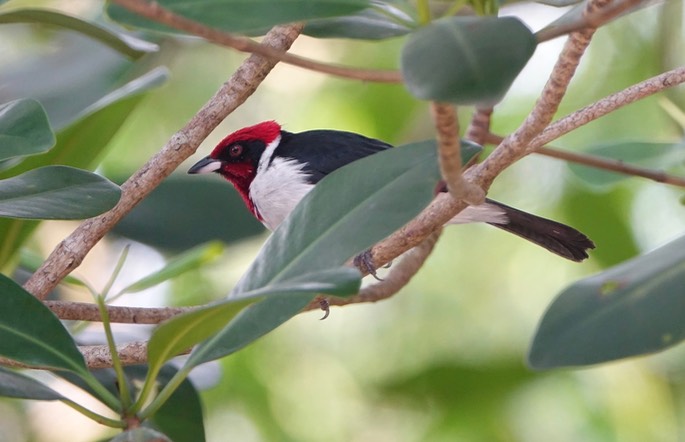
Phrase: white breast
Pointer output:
(277, 189)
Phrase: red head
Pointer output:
(237, 156)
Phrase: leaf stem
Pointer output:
(124, 393)
(166, 392)
(424, 11)
(94, 416)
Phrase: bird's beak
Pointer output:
(205, 165)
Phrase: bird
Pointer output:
(273, 169)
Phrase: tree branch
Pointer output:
(601, 163)
(83, 311)
(399, 276)
(70, 253)
(154, 11)
(607, 105)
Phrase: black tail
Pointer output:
(558, 238)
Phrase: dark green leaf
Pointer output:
(466, 60)
(17, 385)
(191, 203)
(369, 24)
(636, 153)
(79, 145)
(372, 198)
(31, 334)
(186, 330)
(57, 192)
(181, 415)
(24, 129)
(141, 434)
(634, 308)
(127, 45)
(242, 16)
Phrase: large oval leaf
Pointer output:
(127, 45)
(466, 60)
(634, 308)
(30, 333)
(57, 192)
(188, 329)
(346, 213)
(24, 129)
(242, 16)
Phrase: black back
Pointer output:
(327, 150)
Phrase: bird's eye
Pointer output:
(236, 150)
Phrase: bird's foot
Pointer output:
(325, 307)
(364, 262)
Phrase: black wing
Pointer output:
(327, 150)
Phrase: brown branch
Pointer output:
(479, 127)
(99, 356)
(154, 11)
(398, 277)
(83, 311)
(593, 19)
(609, 104)
(602, 163)
(449, 154)
(70, 252)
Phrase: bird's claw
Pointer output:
(364, 262)
(326, 307)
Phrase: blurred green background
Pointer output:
(444, 360)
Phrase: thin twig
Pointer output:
(70, 253)
(479, 127)
(589, 20)
(449, 154)
(609, 104)
(602, 163)
(154, 11)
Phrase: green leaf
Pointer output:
(189, 260)
(31, 334)
(57, 192)
(79, 145)
(141, 434)
(186, 330)
(24, 129)
(636, 153)
(369, 24)
(241, 16)
(631, 309)
(17, 385)
(466, 60)
(197, 221)
(372, 198)
(127, 45)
